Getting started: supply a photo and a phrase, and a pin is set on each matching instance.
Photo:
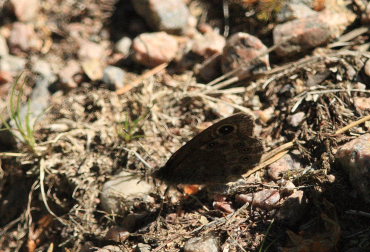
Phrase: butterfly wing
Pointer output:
(220, 153)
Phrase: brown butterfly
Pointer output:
(219, 154)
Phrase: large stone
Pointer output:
(354, 157)
(120, 194)
(169, 15)
(305, 33)
(153, 49)
(208, 243)
(241, 50)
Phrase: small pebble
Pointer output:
(25, 10)
(12, 64)
(265, 199)
(153, 49)
(208, 44)
(284, 164)
(4, 50)
(296, 119)
(66, 75)
(114, 77)
(117, 234)
(123, 46)
(354, 157)
(23, 37)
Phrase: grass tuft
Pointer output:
(21, 126)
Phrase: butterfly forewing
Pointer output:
(220, 153)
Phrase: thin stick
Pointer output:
(353, 124)
(275, 151)
(271, 157)
(144, 76)
(264, 164)
(11, 154)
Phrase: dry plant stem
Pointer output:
(359, 213)
(11, 154)
(348, 36)
(144, 76)
(241, 108)
(271, 157)
(353, 124)
(43, 194)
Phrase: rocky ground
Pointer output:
(96, 95)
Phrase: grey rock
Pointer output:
(141, 247)
(120, 193)
(292, 11)
(296, 119)
(12, 64)
(123, 46)
(208, 243)
(169, 16)
(114, 77)
(43, 68)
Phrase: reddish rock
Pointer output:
(25, 10)
(284, 164)
(90, 50)
(362, 103)
(300, 35)
(367, 68)
(23, 37)
(153, 49)
(67, 74)
(241, 48)
(117, 234)
(220, 202)
(5, 77)
(312, 31)
(208, 44)
(296, 119)
(265, 199)
(169, 15)
(354, 157)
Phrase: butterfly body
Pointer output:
(219, 154)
